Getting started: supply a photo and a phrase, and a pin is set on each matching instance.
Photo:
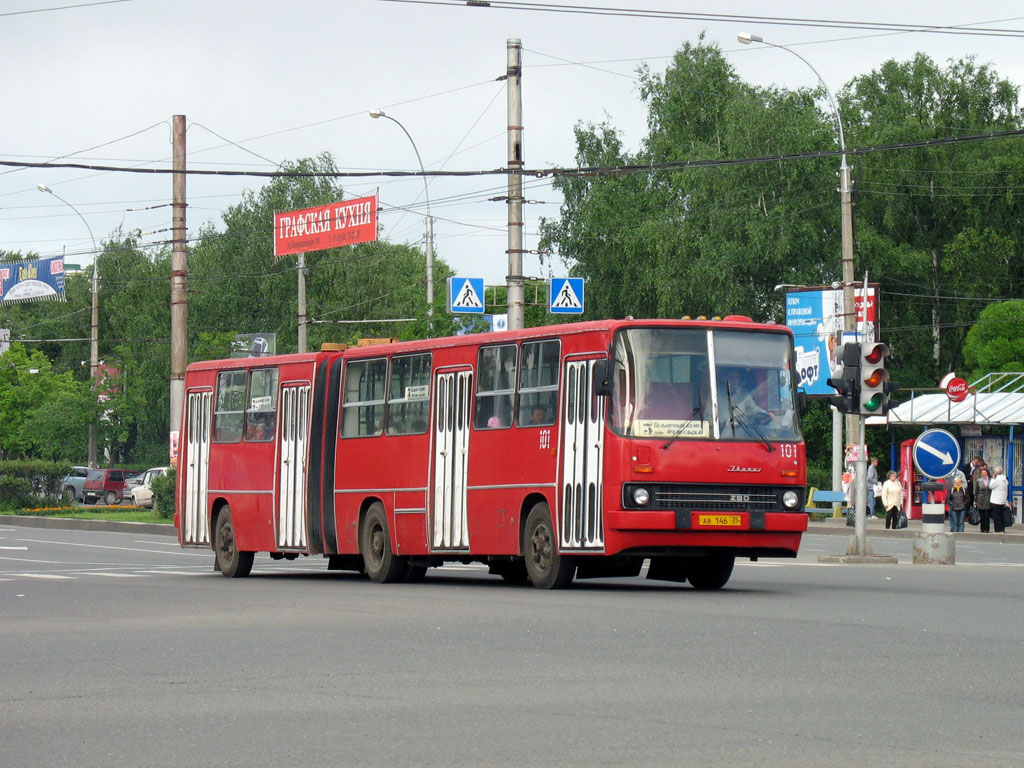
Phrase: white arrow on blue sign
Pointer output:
(936, 453)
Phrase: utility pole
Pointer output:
(515, 279)
(301, 265)
(179, 273)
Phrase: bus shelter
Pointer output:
(987, 423)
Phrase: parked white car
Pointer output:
(142, 494)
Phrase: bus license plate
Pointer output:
(720, 521)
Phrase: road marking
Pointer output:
(116, 575)
(20, 549)
(176, 573)
(183, 551)
(43, 576)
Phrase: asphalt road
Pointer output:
(121, 649)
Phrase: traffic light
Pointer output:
(874, 380)
(847, 384)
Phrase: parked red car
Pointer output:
(106, 484)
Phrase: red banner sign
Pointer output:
(326, 226)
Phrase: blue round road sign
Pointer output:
(936, 453)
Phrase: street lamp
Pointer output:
(845, 194)
(377, 113)
(94, 354)
(854, 424)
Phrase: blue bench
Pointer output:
(827, 498)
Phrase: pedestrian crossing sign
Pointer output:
(466, 295)
(565, 295)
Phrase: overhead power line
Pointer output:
(786, 21)
(623, 169)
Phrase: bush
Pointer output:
(30, 483)
(163, 493)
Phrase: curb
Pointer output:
(839, 528)
(70, 523)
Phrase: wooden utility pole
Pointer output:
(179, 273)
(514, 279)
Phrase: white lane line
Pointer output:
(172, 543)
(116, 575)
(16, 549)
(176, 573)
(199, 553)
(43, 576)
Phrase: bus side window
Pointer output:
(261, 413)
(230, 407)
(495, 390)
(362, 407)
(409, 395)
(538, 384)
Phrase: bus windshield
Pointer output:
(680, 383)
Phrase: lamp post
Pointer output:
(94, 354)
(854, 423)
(377, 113)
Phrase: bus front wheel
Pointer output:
(382, 566)
(711, 572)
(230, 561)
(545, 566)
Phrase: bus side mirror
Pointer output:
(801, 402)
(602, 378)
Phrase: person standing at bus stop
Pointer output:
(872, 482)
(983, 496)
(892, 498)
(957, 500)
(1000, 491)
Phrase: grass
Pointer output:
(95, 512)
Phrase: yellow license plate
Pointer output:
(721, 521)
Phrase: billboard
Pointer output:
(36, 280)
(815, 316)
(326, 226)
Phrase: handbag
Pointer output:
(901, 519)
(1007, 516)
(973, 516)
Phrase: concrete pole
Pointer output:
(301, 268)
(179, 273)
(515, 279)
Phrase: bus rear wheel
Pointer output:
(230, 561)
(711, 572)
(545, 566)
(382, 566)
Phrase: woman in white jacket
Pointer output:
(1000, 488)
(892, 498)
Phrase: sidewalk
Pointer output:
(836, 526)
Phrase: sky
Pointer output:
(264, 82)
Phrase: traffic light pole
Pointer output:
(860, 496)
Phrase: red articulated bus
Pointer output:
(570, 451)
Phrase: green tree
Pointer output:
(939, 226)
(707, 241)
(996, 342)
(235, 285)
(43, 414)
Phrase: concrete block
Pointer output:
(935, 548)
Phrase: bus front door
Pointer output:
(582, 516)
(195, 528)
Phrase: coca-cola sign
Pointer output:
(956, 389)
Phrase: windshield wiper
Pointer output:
(699, 409)
(738, 417)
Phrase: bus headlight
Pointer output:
(790, 499)
(641, 496)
